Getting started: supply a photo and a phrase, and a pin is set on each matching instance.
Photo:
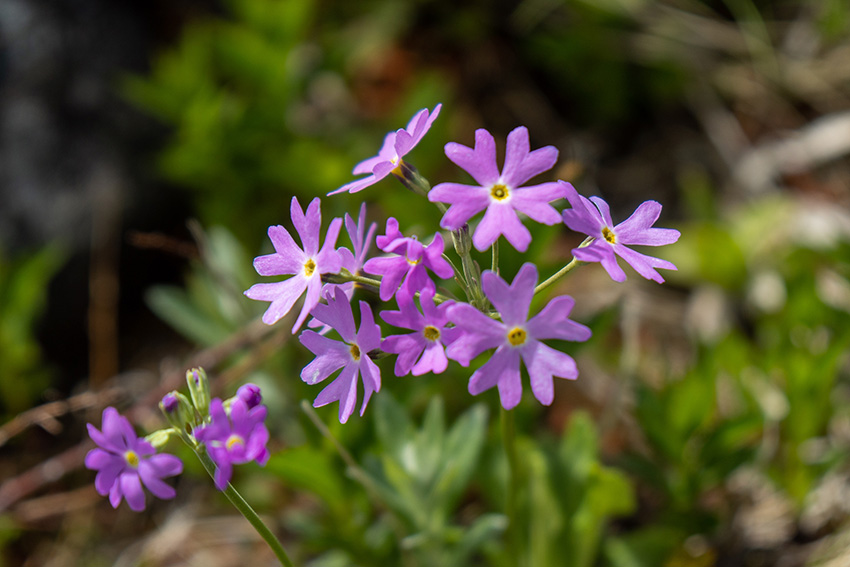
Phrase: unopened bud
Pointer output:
(250, 394)
(159, 438)
(199, 390)
(178, 411)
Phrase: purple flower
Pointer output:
(236, 439)
(351, 354)
(306, 266)
(593, 218)
(429, 339)
(500, 193)
(408, 267)
(124, 462)
(515, 337)
(396, 145)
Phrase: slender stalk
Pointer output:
(246, 510)
(494, 263)
(415, 182)
(345, 276)
(361, 280)
(563, 271)
(463, 247)
(512, 504)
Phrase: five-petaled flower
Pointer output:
(306, 266)
(408, 267)
(515, 337)
(429, 339)
(500, 193)
(236, 439)
(351, 354)
(124, 462)
(593, 218)
(389, 159)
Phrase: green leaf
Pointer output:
(460, 456)
(174, 306)
(485, 528)
(648, 547)
(423, 458)
(392, 426)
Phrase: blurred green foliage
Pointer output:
(23, 295)
(260, 112)
(211, 307)
(262, 109)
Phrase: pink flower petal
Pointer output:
(479, 162)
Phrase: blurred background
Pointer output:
(145, 147)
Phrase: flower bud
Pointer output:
(199, 390)
(159, 438)
(178, 411)
(250, 394)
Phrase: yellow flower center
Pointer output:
(609, 235)
(132, 458)
(309, 267)
(355, 352)
(397, 170)
(413, 262)
(517, 336)
(431, 333)
(234, 440)
(499, 192)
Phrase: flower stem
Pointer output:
(512, 505)
(344, 276)
(246, 510)
(574, 263)
(414, 181)
(494, 264)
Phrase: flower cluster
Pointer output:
(230, 431)
(494, 317)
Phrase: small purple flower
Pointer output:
(396, 145)
(593, 218)
(408, 267)
(124, 462)
(500, 193)
(361, 241)
(250, 394)
(306, 266)
(351, 354)
(515, 337)
(429, 339)
(236, 439)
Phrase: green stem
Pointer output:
(574, 263)
(345, 276)
(246, 510)
(494, 263)
(415, 182)
(512, 505)
(463, 246)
